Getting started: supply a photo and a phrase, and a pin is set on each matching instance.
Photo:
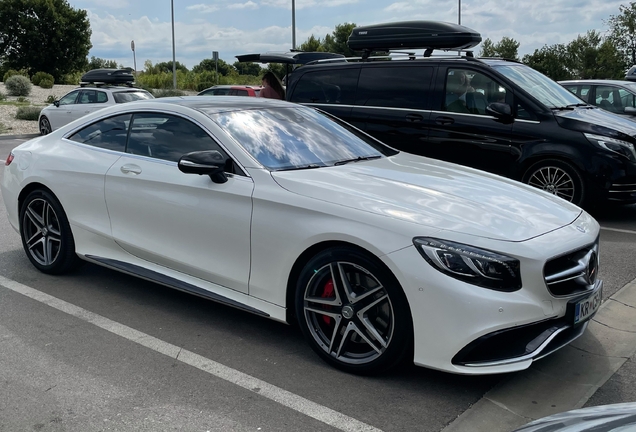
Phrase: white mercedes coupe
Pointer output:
(285, 212)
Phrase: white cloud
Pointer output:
(203, 8)
(305, 4)
(246, 5)
(110, 4)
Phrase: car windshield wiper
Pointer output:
(582, 104)
(564, 108)
(302, 167)
(358, 159)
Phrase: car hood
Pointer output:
(597, 121)
(435, 194)
(617, 417)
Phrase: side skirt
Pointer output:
(171, 282)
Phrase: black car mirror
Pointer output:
(209, 162)
(630, 110)
(500, 110)
(56, 103)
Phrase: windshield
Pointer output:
(546, 91)
(130, 96)
(293, 138)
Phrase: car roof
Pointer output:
(224, 104)
(596, 81)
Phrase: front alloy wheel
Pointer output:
(558, 178)
(353, 312)
(46, 233)
(45, 126)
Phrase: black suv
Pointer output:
(492, 114)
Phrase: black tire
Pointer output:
(46, 234)
(362, 328)
(45, 126)
(559, 178)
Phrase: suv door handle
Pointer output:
(414, 118)
(444, 120)
(130, 169)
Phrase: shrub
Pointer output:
(167, 93)
(28, 113)
(22, 99)
(39, 76)
(3, 96)
(50, 99)
(72, 78)
(18, 85)
(46, 83)
(13, 72)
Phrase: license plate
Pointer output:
(584, 309)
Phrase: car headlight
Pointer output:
(621, 147)
(475, 266)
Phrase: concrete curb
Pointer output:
(22, 136)
(564, 380)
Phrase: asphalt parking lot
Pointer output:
(100, 350)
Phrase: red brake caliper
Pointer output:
(327, 291)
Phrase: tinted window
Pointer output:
(108, 134)
(288, 138)
(471, 92)
(129, 96)
(242, 92)
(69, 98)
(581, 91)
(333, 86)
(221, 92)
(400, 87)
(167, 137)
(92, 96)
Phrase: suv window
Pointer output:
(167, 137)
(399, 87)
(470, 92)
(129, 96)
(108, 134)
(70, 98)
(92, 96)
(333, 86)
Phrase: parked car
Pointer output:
(291, 214)
(513, 120)
(604, 418)
(85, 100)
(231, 90)
(614, 96)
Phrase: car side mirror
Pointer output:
(56, 103)
(630, 110)
(501, 111)
(208, 162)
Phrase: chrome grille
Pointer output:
(572, 273)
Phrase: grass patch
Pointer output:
(3, 129)
(28, 113)
(14, 103)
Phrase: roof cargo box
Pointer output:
(413, 35)
(108, 76)
(292, 57)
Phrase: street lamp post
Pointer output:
(459, 13)
(174, 64)
(293, 24)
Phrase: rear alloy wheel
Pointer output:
(46, 234)
(353, 312)
(557, 177)
(45, 126)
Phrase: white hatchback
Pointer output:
(290, 214)
(85, 100)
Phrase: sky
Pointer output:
(234, 27)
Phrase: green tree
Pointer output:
(278, 69)
(592, 57)
(209, 65)
(248, 68)
(167, 67)
(312, 44)
(336, 42)
(507, 48)
(550, 60)
(100, 63)
(44, 35)
(622, 32)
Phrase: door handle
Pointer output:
(414, 118)
(130, 169)
(444, 120)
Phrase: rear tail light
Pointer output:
(9, 159)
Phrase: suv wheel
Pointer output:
(557, 177)
(45, 126)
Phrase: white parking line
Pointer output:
(248, 382)
(618, 230)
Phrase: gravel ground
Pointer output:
(8, 123)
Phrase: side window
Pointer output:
(242, 92)
(333, 86)
(607, 97)
(399, 87)
(470, 92)
(627, 98)
(108, 134)
(167, 137)
(70, 98)
(88, 97)
(522, 112)
(102, 97)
